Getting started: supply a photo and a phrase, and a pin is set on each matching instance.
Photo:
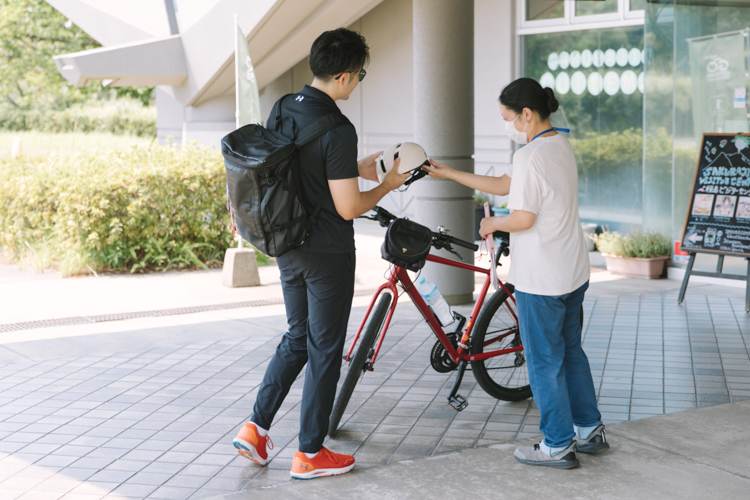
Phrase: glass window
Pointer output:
(591, 7)
(544, 9)
(637, 5)
(597, 76)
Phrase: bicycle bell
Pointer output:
(412, 155)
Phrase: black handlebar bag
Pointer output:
(406, 244)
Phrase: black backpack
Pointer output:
(264, 186)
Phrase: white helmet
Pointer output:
(412, 158)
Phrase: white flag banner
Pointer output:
(248, 100)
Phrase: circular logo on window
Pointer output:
(611, 83)
(622, 57)
(564, 60)
(586, 58)
(641, 81)
(578, 83)
(575, 59)
(595, 84)
(628, 82)
(547, 80)
(562, 83)
(553, 61)
(610, 58)
(598, 58)
(634, 57)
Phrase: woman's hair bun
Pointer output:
(551, 100)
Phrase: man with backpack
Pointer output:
(318, 276)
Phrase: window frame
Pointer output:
(570, 22)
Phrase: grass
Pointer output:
(68, 144)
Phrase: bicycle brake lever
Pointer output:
(450, 249)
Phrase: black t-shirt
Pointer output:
(331, 156)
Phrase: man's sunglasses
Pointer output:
(362, 74)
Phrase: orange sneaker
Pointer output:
(250, 444)
(325, 463)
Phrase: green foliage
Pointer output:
(121, 116)
(155, 208)
(68, 144)
(480, 198)
(640, 244)
(31, 33)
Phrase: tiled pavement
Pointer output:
(158, 423)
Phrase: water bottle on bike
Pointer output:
(435, 300)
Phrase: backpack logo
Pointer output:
(404, 249)
(299, 98)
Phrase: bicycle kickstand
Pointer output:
(456, 401)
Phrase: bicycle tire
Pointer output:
(514, 384)
(357, 363)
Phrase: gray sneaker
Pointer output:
(529, 455)
(597, 441)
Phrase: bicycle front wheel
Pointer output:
(505, 376)
(358, 363)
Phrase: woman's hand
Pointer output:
(366, 167)
(487, 226)
(438, 170)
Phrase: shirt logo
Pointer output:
(299, 98)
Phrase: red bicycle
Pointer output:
(489, 341)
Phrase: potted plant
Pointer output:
(641, 254)
(479, 201)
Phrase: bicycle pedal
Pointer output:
(458, 402)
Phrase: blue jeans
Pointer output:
(559, 371)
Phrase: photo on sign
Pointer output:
(725, 206)
(702, 204)
(743, 208)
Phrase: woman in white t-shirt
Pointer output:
(550, 272)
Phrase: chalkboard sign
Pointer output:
(718, 220)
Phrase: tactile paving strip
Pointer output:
(83, 320)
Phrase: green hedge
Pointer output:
(152, 208)
(120, 116)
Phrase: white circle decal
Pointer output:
(575, 59)
(586, 58)
(595, 84)
(562, 83)
(598, 58)
(564, 60)
(622, 57)
(610, 58)
(578, 83)
(547, 80)
(628, 82)
(641, 81)
(611, 83)
(553, 61)
(634, 57)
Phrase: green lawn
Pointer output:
(45, 143)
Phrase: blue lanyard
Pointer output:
(566, 130)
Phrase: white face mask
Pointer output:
(515, 135)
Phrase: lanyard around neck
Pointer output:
(566, 130)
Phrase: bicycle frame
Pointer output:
(398, 274)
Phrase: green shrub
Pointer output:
(155, 208)
(640, 244)
(117, 116)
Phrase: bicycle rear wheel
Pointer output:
(357, 365)
(503, 377)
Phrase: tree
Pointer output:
(31, 33)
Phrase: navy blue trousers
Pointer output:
(318, 291)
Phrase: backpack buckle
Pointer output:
(278, 229)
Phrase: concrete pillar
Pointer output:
(444, 126)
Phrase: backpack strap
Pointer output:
(312, 132)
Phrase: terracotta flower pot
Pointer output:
(651, 268)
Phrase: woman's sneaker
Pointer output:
(325, 463)
(250, 444)
(566, 459)
(596, 441)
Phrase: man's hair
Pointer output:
(338, 51)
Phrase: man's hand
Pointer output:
(438, 170)
(394, 180)
(367, 167)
